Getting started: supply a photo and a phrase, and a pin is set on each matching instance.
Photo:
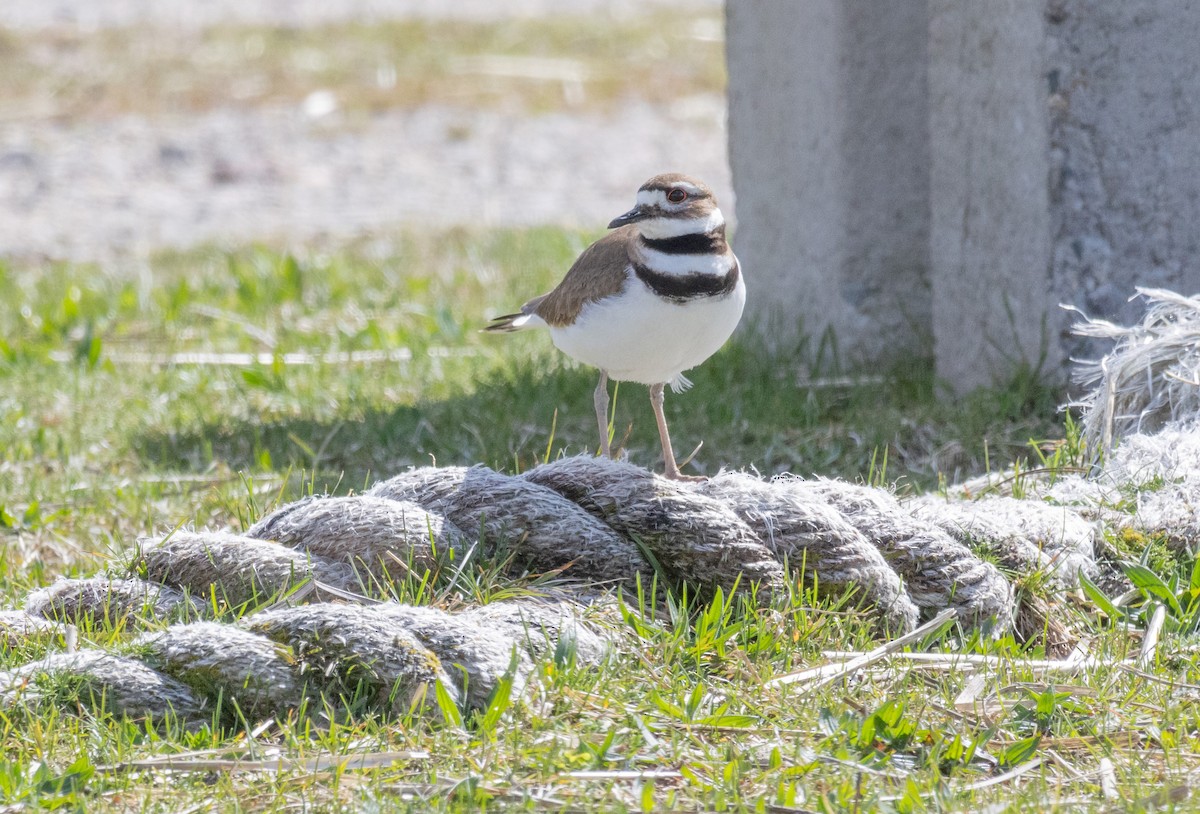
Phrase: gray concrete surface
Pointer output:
(1123, 85)
(989, 238)
(828, 109)
(940, 175)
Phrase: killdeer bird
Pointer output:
(647, 302)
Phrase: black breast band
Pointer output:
(693, 243)
(691, 286)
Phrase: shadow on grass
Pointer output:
(503, 422)
(750, 406)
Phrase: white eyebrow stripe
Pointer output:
(651, 197)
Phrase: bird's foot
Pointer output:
(671, 472)
(672, 469)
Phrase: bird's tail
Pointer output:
(525, 318)
(508, 323)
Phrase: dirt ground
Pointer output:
(98, 187)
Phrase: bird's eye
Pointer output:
(677, 196)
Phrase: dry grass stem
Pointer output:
(827, 674)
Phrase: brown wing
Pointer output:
(599, 272)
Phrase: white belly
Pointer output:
(639, 337)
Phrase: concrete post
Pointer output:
(1123, 88)
(990, 232)
(936, 176)
(827, 120)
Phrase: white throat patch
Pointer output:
(659, 228)
(683, 264)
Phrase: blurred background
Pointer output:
(127, 127)
(246, 249)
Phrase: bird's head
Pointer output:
(672, 204)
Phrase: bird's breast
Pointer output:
(643, 336)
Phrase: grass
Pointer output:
(102, 445)
(533, 65)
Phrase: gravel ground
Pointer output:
(128, 186)
(33, 14)
(101, 189)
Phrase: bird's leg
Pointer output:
(601, 400)
(669, 468)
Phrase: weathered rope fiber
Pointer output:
(17, 626)
(596, 521)
(593, 518)
(1024, 536)
(816, 538)
(937, 571)
(1140, 432)
(355, 648)
(383, 537)
(374, 658)
(107, 599)
(226, 662)
(117, 684)
(1150, 378)
(695, 539)
(535, 521)
(249, 569)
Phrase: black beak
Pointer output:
(632, 216)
